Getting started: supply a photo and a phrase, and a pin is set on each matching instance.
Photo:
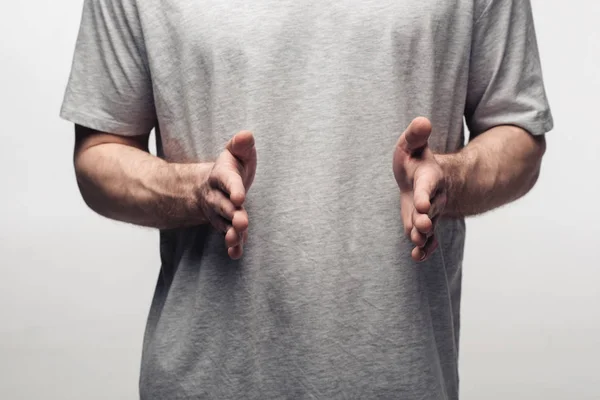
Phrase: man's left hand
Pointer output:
(422, 186)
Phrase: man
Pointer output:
(338, 274)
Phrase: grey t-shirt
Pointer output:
(326, 302)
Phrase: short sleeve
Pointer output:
(505, 76)
(109, 88)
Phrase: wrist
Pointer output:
(187, 178)
(454, 171)
(184, 191)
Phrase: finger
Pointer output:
(233, 238)
(422, 223)
(219, 223)
(431, 245)
(421, 254)
(235, 253)
(240, 220)
(415, 137)
(418, 254)
(419, 239)
(230, 182)
(221, 204)
(406, 212)
(242, 146)
(238, 230)
(427, 184)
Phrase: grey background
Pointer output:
(72, 317)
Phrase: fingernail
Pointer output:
(424, 256)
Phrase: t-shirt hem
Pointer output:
(539, 126)
(103, 124)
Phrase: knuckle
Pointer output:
(214, 173)
(224, 207)
(212, 198)
(214, 181)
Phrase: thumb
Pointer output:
(242, 146)
(415, 137)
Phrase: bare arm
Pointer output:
(119, 179)
(496, 168)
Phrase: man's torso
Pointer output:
(326, 302)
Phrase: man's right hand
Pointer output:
(223, 193)
(120, 179)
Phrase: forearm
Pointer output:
(130, 185)
(496, 168)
